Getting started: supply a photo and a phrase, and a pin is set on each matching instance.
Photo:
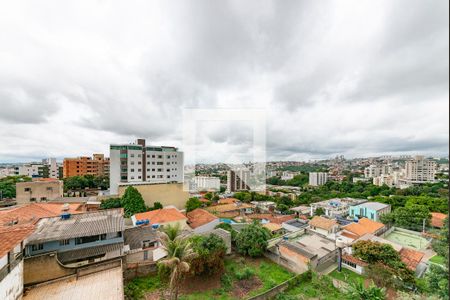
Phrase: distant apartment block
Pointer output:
(205, 183)
(138, 163)
(420, 170)
(237, 180)
(96, 165)
(38, 190)
(288, 175)
(318, 178)
(49, 168)
(335, 207)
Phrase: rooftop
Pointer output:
(228, 207)
(86, 224)
(272, 226)
(374, 205)
(10, 238)
(338, 203)
(199, 217)
(272, 218)
(363, 227)
(161, 216)
(106, 284)
(323, 223)
(135, 236)
(314, 244)
(437, 219)
(227, 201)
(411, 257)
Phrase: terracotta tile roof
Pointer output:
(199, 217)
(228, 207)
(204, 200)
(437, 219)
(323, 223)
(227, 201)
(272, 226)
(363, 227)
(11, 237)
(411, 257)
(349, 235)
(33, 212)
(278, 219)
(354, 260)
(161, 216)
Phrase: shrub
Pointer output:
(246, 273)
(252, 240)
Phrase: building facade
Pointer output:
(318, 178)
(96, 165)
(370, 210)
(39, 190)
(138, 163)
(237, 180)
(420, 170)
(205, 183)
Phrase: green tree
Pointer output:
(229, 228)
(179, 255)
(437, 280)
(357, 291)
(211, 252)
(157, 205)
(252, 240)
(319, 211)
(193, 203)
(132, 202)
(411, 217)
(8, 185)
(111, 203)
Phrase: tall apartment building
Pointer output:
(318, 178)
(237, 180)
(96, 165)
(138, 163)
(420, 170)
(49, 168)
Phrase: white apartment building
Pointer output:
(30, 170)
(138, 163)
(53, 167)
(373, 171)
(205, 183)
(5, 172)
(420, 170)
(318, 178)
(288, 175)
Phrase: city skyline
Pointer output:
(359, 79)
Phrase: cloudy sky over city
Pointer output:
(357, 78)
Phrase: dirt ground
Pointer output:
(242, 287)
(200, 283)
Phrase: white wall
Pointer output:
(207, 227)
(11, 287)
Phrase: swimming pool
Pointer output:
(407, 238)
(228, 221)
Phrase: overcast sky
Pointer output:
(357, 78)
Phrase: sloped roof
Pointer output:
(228, 207)
(199, 217)
(78, 225)
(354, 260)
(363, 227)
(324, 223)
(73, 255)
(227, 200)
(135, 236)
(11, 237)
(411, 257)
(272, 226)
(437, 219)
(161, 216)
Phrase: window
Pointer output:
(148, 244)
(32, 199)
(64, 242)
(49, 188)
(139, 177)
(139, 163)
(145, 255)
(132, 170)
(37, 247)
(153, 156)
(139, 155)
(27, 189)
(160, 156)
(159, 170)
(131, 155)
(132, 177)
(43, 198)
(139, 170)
(132, 163)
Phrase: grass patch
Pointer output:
(437, 259)
(136, 288)
(346, 276)
(320, 287)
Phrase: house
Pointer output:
(271, 218)
(231, 210)
(264, 206)
(38, 190)
(370, 210)
(353, 263)
(335, 207)
(161, 217)
(323, 225)
(364, 226)
(274, 228)
(301, 210)
(411, 258)
(228, 201)
(294, 225)
(437, 219)
(201, 220)
(142, 245)
(11, 262)
(78, 239)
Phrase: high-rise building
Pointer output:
(49, 168)
(318, 178)
(237, 180)
(138, 163)
(205, 183)
(420, 170)
(96, 165)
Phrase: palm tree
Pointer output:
(179, 254)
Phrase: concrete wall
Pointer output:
(39, 191)
(166, 194)
(11, 287)
(42, 268)
(299, 260)
(207, 227)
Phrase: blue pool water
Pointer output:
(228, 221)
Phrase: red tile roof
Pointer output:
(354, 260)
(33, 212)
(277, 219)
(199, 217)
(323, 223)
(411, 257)
(161, 216)
(437, 219)
(227, 201)
(11, 237)
(363, 227)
